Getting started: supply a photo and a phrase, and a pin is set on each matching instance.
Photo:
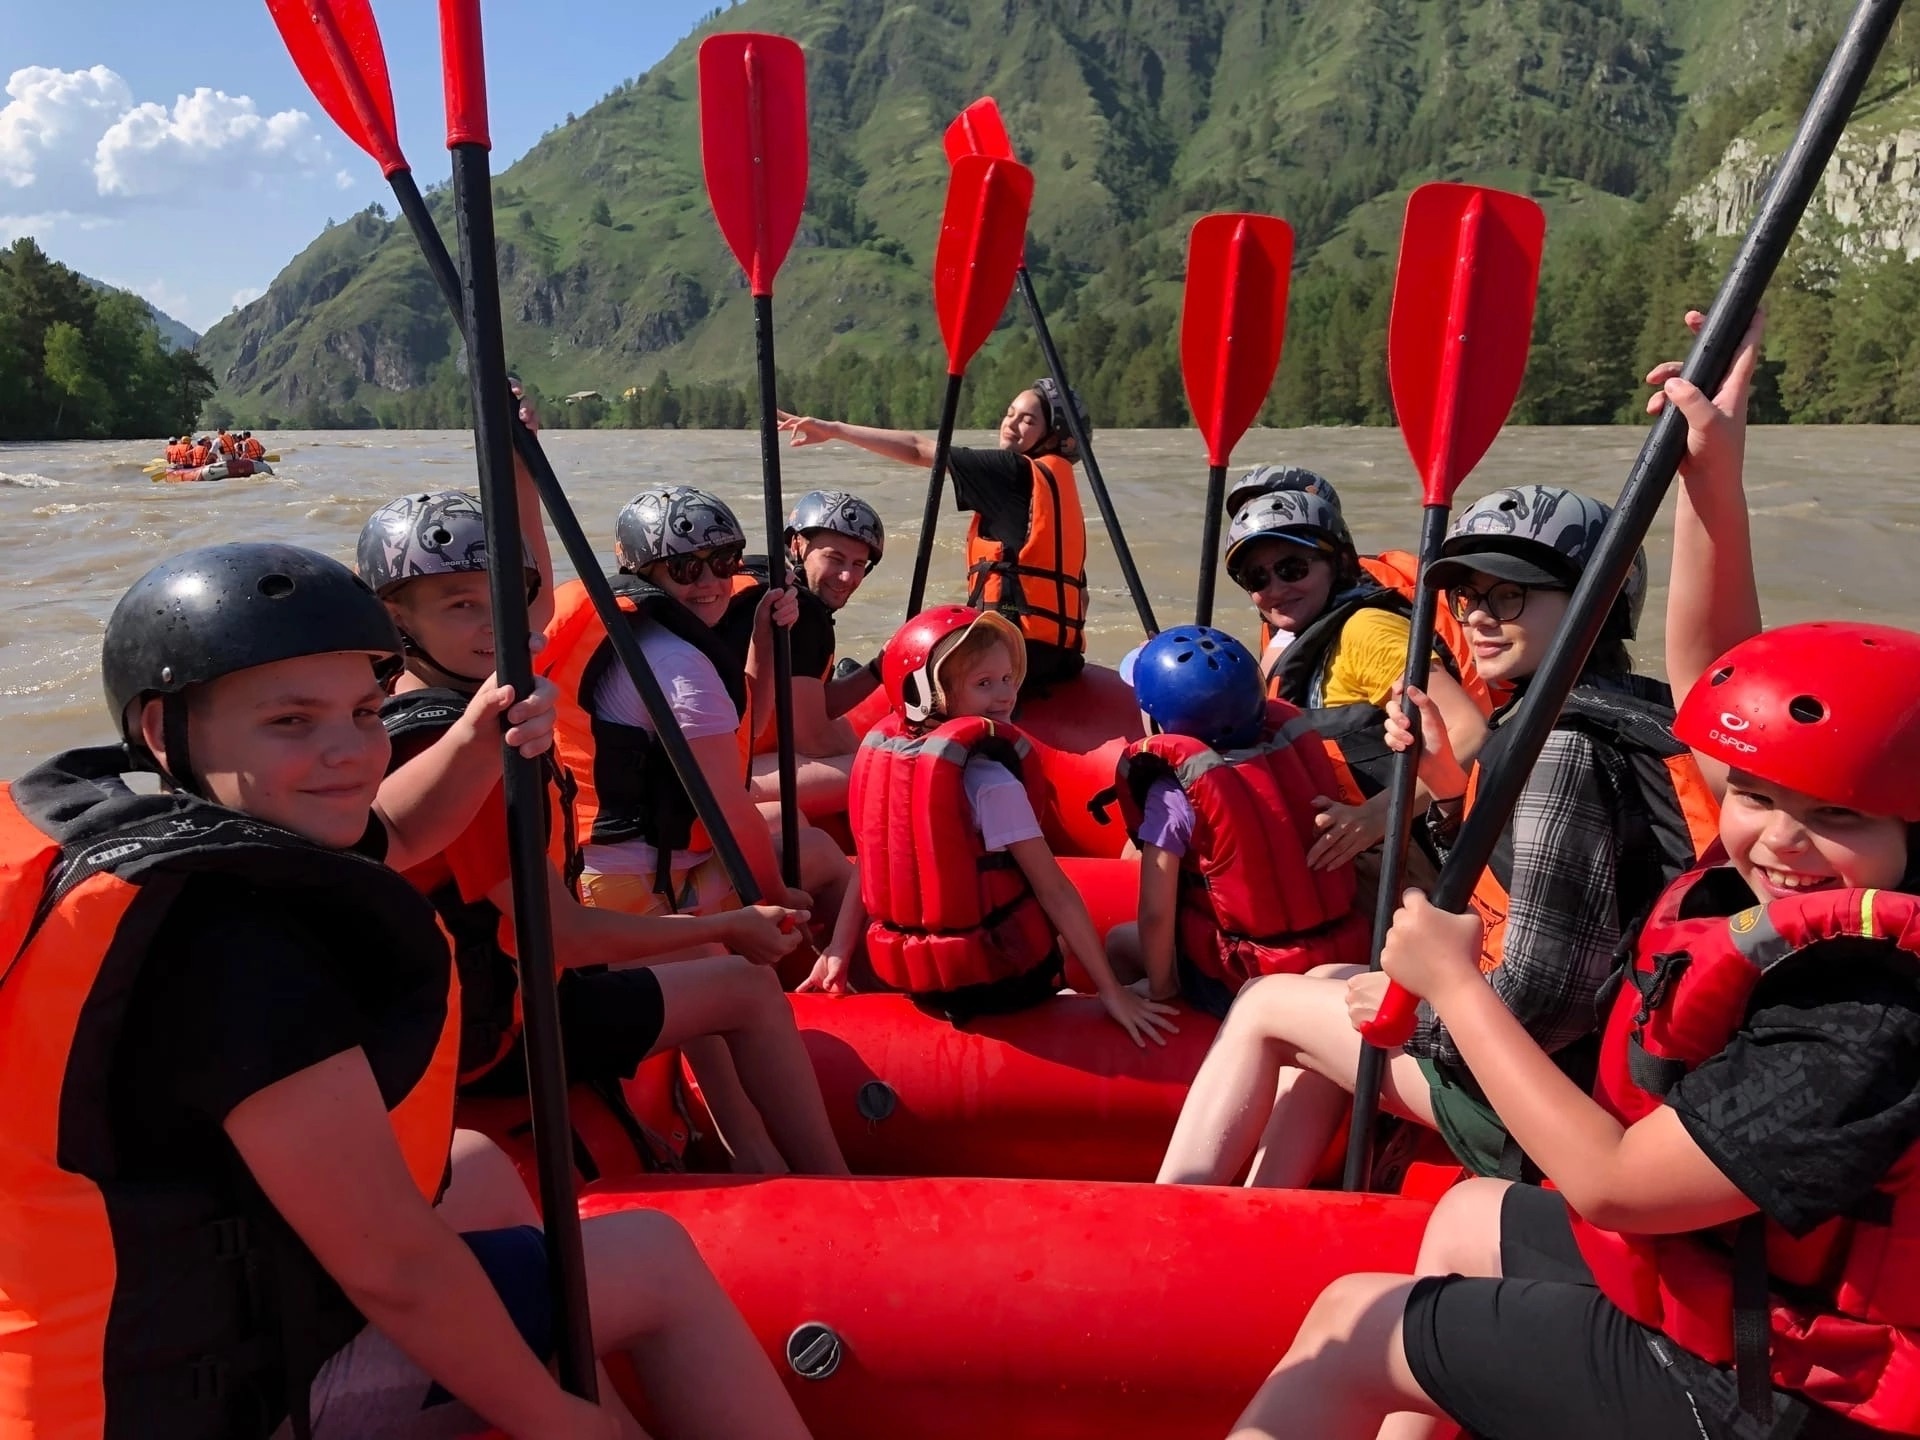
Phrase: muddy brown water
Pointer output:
(1836, 510)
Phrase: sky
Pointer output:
(169, 146)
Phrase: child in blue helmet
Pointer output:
(1220, 802)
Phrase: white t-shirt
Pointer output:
(1002, 813)
(700, 703)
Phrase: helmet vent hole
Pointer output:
(441, 535)
(1806, 709)
(1721, 676)
(275, 586)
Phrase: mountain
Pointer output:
(1136, 115)
(173, 334)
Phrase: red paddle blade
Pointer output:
(753, 142)
(981, 236)
(336, 47)
(1232, 322)
(1462, 324)
(979, 130)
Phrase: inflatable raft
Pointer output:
(1023, 1310)
(218, 470)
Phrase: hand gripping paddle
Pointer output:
(982, 233)
(979, 130)
(753, 142)
(1232, 322)
(1456, 353)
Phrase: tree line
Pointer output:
(81, 363)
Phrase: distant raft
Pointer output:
(218, 470)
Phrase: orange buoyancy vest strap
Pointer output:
(1398, 570)
(1842, 1321)
(942, 912)
(1043, 586)
(78, 1240)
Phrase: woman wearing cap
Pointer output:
(1027, 546)
(1339, 648)
(1612, 811)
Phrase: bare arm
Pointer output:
(719, 759)
(901, 445)
(583, 935)
(843, 695)
(816, 729)
(1159, 905)
(320, 1145)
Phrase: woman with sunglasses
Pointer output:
(1613, 810)
(681, 554)
(1339, 645)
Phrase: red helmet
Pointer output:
(1830, 709)
(907, 664)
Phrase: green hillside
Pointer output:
(1136, 115)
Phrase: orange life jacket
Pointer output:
(1399, 570)
(626, 787)
(1249, 906)
(252, 449)
(1835, 1313)
(199, 455)
(131, 1306)
(179, 452)
(946, 920)
(1042, 587)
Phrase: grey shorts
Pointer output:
(371, 1390)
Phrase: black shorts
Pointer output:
(1543, 1353)
(610, 1020)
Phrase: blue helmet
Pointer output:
(1202, 683)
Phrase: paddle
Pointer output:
(464, 66)
(1233, 319)
(979, 130)
(1781, 206)
(1456, 353)
(982, 232)
(331, 41)
(753, 142)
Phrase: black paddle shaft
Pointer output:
(586, 564)
(777, 578)
(526, 791)
(1498, 786)
(1393, 856)
(936, 486)
(1210, 543)
(1095, 480)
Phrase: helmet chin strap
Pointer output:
(466, 683)
(178, 769)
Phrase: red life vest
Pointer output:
(125, 1304)
(199, 455)
(1042, 587)
(1843, 1302)
(1249, 905)
(942, 913)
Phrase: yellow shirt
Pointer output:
(1369, 656)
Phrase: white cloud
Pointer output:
(245, 296)
(76, 147)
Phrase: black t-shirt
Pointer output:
(1819, 1092)
(998, 485)
(813, 639)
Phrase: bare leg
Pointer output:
(705, 1375)
(1346, 1370)
(742, 1131)
(1307, 1109)
(1279, 1021)
(820, 782)
(738, 1006)
(486, 1191)
(1123, 953)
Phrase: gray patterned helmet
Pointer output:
(440, 533)
(1057, 427)
(843, 514)
(1266, 479)
(1536, 535)
(672, 520)
(1290, 515)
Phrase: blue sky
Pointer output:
(169, 145)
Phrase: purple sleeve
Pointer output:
(1166, 820)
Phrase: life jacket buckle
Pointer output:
(1667, 969)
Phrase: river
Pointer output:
(1835, 512)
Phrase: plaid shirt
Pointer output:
(1563, 920)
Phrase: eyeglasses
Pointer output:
(1503, 602)
(1290, 570)
(722, 564)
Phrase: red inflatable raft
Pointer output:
(232, 469)
(1024, 1310)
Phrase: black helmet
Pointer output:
(1057, 427)
(843, 514)
(225, 608)
(1266, 479)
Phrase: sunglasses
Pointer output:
(1503, 602)
(721, 564)
(1289, 570)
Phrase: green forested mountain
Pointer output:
(1137, 117)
